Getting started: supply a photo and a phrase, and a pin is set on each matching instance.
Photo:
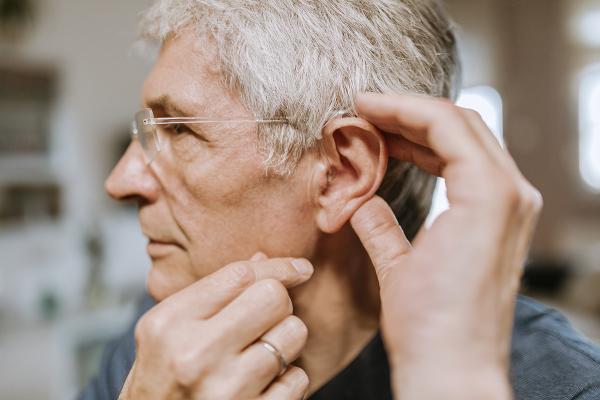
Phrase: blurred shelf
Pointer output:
(60, 355)
(26, 169)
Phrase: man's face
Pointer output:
(205, 200)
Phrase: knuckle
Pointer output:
(519, 196)
(444, 102)
(261, 371)
(297, 327)
(138, 333)
(511, 194)
(449, 109)
(185, 369)
(297, 381)
(222, 390)
(472, 114)
(150, 326)
(377, 228)
(273, 288)
(190, 363)
(379, 232)
(539, 201)
(283, 269)
(303, 380)
(535, 201)
(506, 191)
(239, 274)
(276, 293)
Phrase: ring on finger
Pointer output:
(273, 350)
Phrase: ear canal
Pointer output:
(330, 175)
(357, 161)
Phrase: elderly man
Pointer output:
(248, 164)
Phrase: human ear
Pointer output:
(354, 160)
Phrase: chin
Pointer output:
(165, 280)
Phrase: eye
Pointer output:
(179, 128)
(182, 130)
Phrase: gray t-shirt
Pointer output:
(549, 361)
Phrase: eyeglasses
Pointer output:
(144, 124)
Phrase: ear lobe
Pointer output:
(355, 155)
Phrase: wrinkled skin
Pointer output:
(207, 206)
(205, 203)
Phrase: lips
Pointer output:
(160, 248)
(158, 238)
(160, 242)
(160, 245)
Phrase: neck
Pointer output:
(339, 305)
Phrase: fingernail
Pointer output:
(303, 266)
(259, 256)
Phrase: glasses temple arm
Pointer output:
(182, 120)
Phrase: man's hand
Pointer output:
(448, 300)
(201, 342)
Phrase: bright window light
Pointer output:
(586, 27)
(589, 128)
(488, 103)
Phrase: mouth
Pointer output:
(159, 248)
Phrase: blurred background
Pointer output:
(72, 262)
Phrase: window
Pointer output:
(487, 102)
(585, 25)
(589, 128)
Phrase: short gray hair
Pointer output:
(306, 60)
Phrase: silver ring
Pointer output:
(273, 350)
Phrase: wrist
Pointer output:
(452, 384)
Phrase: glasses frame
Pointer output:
(150, 122)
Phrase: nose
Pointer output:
(132, 179)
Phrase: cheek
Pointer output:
(286, 221)
(222, 181)
(215, 200)
(188, 149)
(209, 176)
(229, 209)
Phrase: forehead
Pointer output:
(187, 73)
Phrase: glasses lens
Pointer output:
(147, 134)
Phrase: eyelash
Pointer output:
(179, 128)
(182, 129)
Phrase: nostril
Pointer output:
(134, 200)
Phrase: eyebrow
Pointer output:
(166, 103)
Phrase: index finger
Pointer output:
(209, 295)
(434, 123)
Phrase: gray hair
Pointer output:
(306, 60)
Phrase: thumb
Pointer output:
(381, 235)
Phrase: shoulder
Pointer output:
(549, 358)
(117, 359)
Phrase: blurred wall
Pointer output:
(89, 42)
(47, 263)
(527, 51)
